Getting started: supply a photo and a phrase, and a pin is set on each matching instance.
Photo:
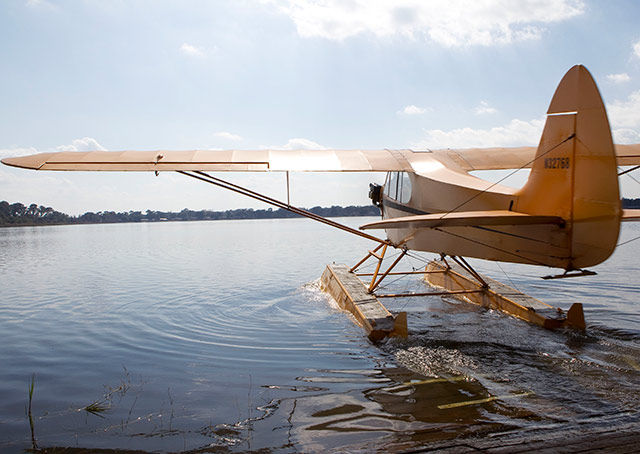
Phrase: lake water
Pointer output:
(215, 336)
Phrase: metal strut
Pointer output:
(377, 277)
(629, 170)
(463, 263)
(202, 176)
(375, 281)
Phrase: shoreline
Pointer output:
(54, 224)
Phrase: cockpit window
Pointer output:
(398, 186)
(405, 192)
(391, 188)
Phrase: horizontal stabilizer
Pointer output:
(631, 215)
(463, 219)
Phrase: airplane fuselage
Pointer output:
(539, 245)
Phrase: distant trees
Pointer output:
(19, 214)
(631, 203)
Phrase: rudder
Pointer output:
(574, 174)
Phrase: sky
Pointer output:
(253, 74)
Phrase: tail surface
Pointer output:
(574, 174)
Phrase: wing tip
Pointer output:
(33, 162)
(14, 162)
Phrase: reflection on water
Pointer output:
(215, 336)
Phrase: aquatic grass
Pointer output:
(103, 405)
(29, 412)
(98, 407)
(31, 388)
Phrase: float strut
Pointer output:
(463, 263)
(373, 285)
(375, 281)
(375, 273)
(371, 253)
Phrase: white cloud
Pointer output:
(450, 23)
(84, 144)
(626, 114)
(192, 51)
(636, 49)
(619, 78)
(484, 108)
(516, 133)
(298, 144)
(412, 110)
(228, 136)
(14, 152)
(623, 136)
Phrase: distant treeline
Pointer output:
(630, 203)
(19, 214)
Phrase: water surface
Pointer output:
(190, 335)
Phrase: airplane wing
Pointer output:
(225, 160)
(628, 155)
(522, 157)
(631, 215)
(463, 219)
(294, 160)
(493, 158)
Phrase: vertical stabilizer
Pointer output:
(574, 174)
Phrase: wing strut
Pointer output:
(629, 170)
(202, 176)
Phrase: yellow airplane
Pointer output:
(566, 216)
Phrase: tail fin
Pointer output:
(574, 174)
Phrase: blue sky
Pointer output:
(248, 74)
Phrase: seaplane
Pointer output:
(566, 216)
